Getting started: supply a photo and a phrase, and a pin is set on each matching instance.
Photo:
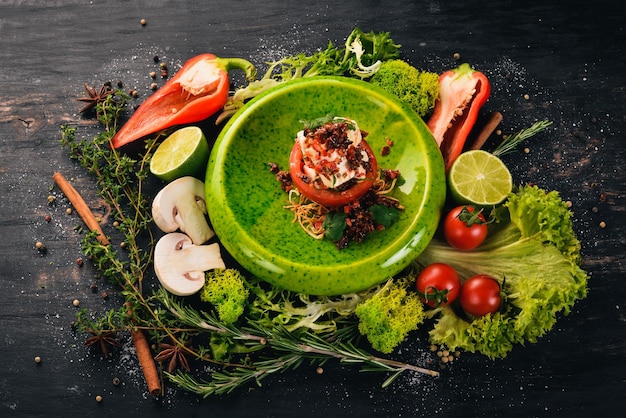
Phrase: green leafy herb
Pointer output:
(384, 215)
(334, 225)
(316, 123)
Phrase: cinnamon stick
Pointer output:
(146, 361)
(81, 207)
(144, 356)
(485, 133)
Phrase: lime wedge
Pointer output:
(184, 153)
(479, 178)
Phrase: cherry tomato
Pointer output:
(480, 295)
(438, 284)
(329, 197)
(457, 232)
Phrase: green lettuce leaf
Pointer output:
(535, 253)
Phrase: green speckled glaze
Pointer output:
(245, 202)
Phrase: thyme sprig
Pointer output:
(120, 181)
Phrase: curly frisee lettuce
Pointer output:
(226, 290)
(535, 248)
(418, 89)
(387, 317)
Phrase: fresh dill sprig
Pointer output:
(511, 142)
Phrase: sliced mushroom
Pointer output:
(181, 206)
(180, 264)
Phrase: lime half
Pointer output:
(479, 178)
(184, 153)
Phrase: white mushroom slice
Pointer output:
(180, 206)
(180, 265)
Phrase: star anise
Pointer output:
(103, 340)
(174, 354)
(95, 96)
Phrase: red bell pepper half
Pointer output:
(197, 91)
(462, 92)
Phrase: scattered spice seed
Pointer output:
(76, 302)
(319, 370)
(98, 398)
(594, 209)
(526, 150)
(39, 245)
(51, 199)
(526, 97)
(105, 295)
(37, 359)
(68, 211)
(94, 288)
(48, 218)
(153, 86)
(116, 381)
(152, 74)
(569, 203)
(79, 262)
(457, 56)
(143, 22)
(602, 224)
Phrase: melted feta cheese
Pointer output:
(331, 168)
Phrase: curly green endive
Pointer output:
(418, 89)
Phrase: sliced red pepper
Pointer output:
(197, 91)
(462, 92)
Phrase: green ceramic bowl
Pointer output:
(245, 202)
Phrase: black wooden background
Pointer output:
(567, 57)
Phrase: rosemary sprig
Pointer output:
(291, 349)
(511, 142)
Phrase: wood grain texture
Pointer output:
(568, 59)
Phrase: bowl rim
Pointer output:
(404, 242)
